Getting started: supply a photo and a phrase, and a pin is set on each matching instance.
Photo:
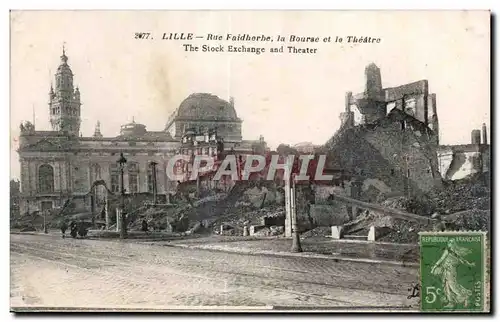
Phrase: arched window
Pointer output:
(46, 179)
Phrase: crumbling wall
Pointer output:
(463, 164)
(384, 153)
(458, 162)
(416, 92)
(407, 151)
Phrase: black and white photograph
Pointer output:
(250, 161)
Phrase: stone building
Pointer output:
(305, 147)
(375, 102)
(459, 161)
(61, 164)
(388, 138)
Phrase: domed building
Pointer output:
(202, 112)
(62, 165)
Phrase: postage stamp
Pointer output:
(452, 271)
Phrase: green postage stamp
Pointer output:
(453, 271)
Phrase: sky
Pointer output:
(287, 98)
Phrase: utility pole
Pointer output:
(153, 173)
(123, 231)
(296, 247)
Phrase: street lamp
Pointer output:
(123, 231)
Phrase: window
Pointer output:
(46, 179)
(115, 178)
(133, 172)
(358, 117)
(390, 107)
(409, 106)
(114, 183)
(132, 183)
(150, 180)
(97, 170)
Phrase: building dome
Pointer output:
(133, 129)
(206, 106)
(64, 67)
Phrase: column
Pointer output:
(33, 174)
(118, 219)
(143, 176)
(125, 179)
(106, 212)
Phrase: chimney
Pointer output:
(348, 98)
(485, 134)
(373, 80)
(476, 137)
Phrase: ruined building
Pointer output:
(459, 161)
(61, 164)
(388, 138)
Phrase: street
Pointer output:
(48, 271)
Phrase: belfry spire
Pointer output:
(64, 58)
(64, 100)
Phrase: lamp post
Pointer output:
(123, 231)
(153, 172)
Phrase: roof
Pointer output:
(206, 106)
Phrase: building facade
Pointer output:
(61, 164)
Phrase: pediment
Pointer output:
(46, 144)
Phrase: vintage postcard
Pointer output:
(250, 161)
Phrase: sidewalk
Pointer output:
(38, 232)
(317, 247)
(356, 251)
(113, 235)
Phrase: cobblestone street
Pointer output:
(50, 271)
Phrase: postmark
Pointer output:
(452, 271)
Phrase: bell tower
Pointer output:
(64, 100)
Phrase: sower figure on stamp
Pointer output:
(446, 268)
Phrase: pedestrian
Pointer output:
(144, 225)
(64, 226)
(82, 230)
(73, 229)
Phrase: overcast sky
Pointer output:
(286, 98)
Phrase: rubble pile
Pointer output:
(317, 232)
(464, 205)
(417, 205)
(474, 219)
(469, 193)
(245, 216)
(404, 232)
